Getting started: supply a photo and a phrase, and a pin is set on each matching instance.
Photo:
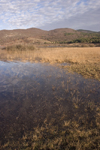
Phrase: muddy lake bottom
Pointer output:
(40, 103)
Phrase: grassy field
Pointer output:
(85, 61)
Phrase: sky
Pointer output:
(50, 14)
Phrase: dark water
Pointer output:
(33, 92)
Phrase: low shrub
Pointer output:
(20, 47)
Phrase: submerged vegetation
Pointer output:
(49, 112)
(81, 132)
(87, 70)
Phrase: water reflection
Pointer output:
(31, 93)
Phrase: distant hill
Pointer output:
(86, 31)
(61, 35)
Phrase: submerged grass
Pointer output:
(81, 134)
(87, 70)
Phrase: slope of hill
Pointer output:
(61, 35)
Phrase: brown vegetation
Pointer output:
(56, 36)
(53, 35)
(81, 134)
(85, 61)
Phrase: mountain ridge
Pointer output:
(56, 35)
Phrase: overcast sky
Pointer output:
(50, 14)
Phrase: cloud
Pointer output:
(42, 13)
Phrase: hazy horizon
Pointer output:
(47, 30)
(49, 15)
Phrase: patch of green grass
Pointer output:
(86, 40)
(65, 34)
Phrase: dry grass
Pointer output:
(71, 135)
(85, 61)
(19, 47)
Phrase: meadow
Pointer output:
(49, 98)
(83, 60)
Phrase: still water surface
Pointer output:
(32, 92)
